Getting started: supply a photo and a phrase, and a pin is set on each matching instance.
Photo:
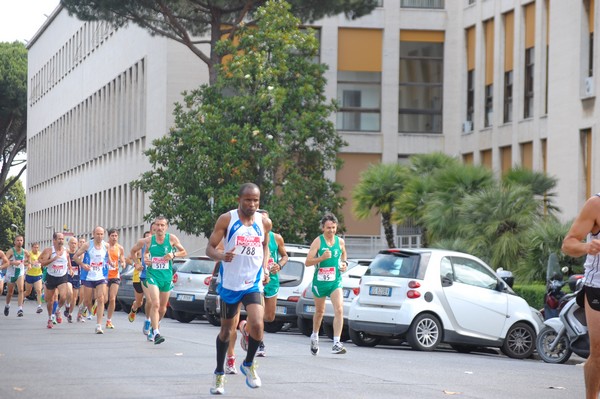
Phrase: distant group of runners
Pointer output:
(250, 257)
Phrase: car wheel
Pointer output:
(360, 338)
(213, 319)
(273, 326)
(562, 351)
(425, 332)
(305, 326)
(519, 342)
(184, 317)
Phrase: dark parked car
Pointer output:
(293, 279)
(126, 294)
(190, 286)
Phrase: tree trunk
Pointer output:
(388, 229)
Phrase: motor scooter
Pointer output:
(565, 334)
(554, 285)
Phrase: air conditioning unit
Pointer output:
(467, 126)
(588, 86)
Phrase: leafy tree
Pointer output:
(265, 120)
(190, 22)
(378, 188)
(450, 187)
(540, 184)
(13, 111)
(12, 212)
(544, 238)
(496, 221)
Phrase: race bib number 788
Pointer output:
(247, 245)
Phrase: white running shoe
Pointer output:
(218, 387)
(314, 346)
(338, 349)
(244, 337)
(252, 378)
(230, 365)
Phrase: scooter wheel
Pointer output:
(545, 339)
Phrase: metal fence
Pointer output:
(422, 4)
(358, 246)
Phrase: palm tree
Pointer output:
(540, 184)
(544, 238)
(496, 222)
(451, 186)
(378, 188)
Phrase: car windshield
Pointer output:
(291, 274)
(197, 266)
(395, 264)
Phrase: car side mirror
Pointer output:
(446, 281)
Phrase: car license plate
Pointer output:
(309, 308)
(346, 293)
(380, 291)
(185, 298)
(281, 309)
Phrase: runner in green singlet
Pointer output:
(328, 254)
(162, 248)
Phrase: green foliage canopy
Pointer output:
(265, 120)
(13, 111)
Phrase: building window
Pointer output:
(359, 96)
(437, 4)
(470, 95)
(508, 96)
(421, 87)
(528, 98)
(359, 79)
(489, 105)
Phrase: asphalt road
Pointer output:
(70, 361)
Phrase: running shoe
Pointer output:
(99, 329)
(20, 313)
(252, 378)
(230, 365)
(244, 337)
(131, 317)
(314, 346)
(39, 309)
(261, 352)
(80, 318)
(94, 308)
(150, 335)
(50, 324)
(84, 312)
(109, 325)
(218, 387)
(53, 319)
(69, 317)
(158, 339)
(58, 318)
(146, 328)
(66, 312)
(6, 310)
(338, 349)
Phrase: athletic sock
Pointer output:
(221, 353)
(252, 348)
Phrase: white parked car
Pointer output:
(430, 296)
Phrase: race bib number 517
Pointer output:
(247, 245)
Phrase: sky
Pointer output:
(20, 19)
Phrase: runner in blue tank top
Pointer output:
(243, 272)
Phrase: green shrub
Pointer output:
(532, 293)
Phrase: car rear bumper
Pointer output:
(286, 311)
(382, 329)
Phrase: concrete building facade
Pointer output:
(501, 83)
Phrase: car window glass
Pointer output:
(291, 274)
(446, 269)
(468, 271)
(394, 265)
(197, 266)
